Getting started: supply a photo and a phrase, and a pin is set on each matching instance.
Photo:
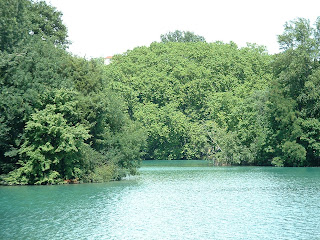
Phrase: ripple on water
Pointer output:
(170, 202)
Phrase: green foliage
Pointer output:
(295, 94)
(86, 75)
(299, 34)
(262, 109)
(172, 88)
(171, 134)
(58, 120)
(25, 74)
(52, 148)
(13, 22)
(181, 36)
(104, 173)
(231, 150)
(22, 20)
(277, 161)
(294, 154)
(46, 22)
(67, 119)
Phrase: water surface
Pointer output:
(171, 200)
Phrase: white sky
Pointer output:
(100, 28)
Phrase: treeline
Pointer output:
(65, 118)
(59, 121)
(235, 106)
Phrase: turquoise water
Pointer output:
(171, 200)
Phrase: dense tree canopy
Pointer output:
(295, 94)
(181, 36)
(65, 118)
(59, 121)
(174, 89)
(23, 19)
(214, 100)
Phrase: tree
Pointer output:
(296, 72)
(118, 138)
(25, 74)
(46, 22)
(58, 118)
(299, 34)
(13, 23)
(52, 145)
(22, 20)
(85, 74)
(181, 36)
(172, 88)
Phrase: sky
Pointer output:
(101, 28)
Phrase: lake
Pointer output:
(170, 200)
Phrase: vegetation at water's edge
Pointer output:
(65, 118)
(59, 120)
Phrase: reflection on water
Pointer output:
(171, 200)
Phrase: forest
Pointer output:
(64, 118)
